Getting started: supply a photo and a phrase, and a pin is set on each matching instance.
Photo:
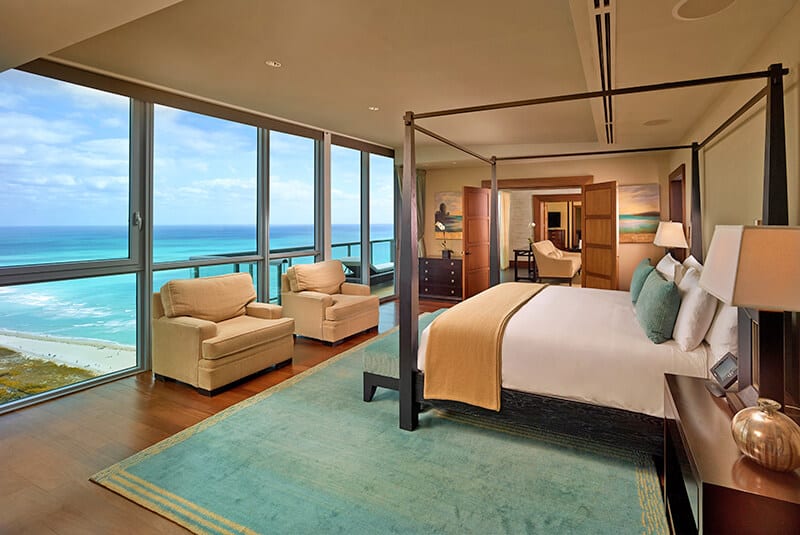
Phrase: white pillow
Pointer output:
(692, 262)
(696, 312)
(723, 335)
(666, 266)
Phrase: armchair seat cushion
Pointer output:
(244, 332)
(349, 306)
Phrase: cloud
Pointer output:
(28, 129)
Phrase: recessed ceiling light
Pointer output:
(699, 9)
(657, 122)
(453, 163)
(373, 108)
(273, 63)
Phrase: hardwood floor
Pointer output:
(48, 451)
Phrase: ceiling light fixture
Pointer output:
(657, 122)
(699, 9)
(373, 108)
(273, 63)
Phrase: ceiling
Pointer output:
(341, 56)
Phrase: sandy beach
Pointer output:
(96, 355)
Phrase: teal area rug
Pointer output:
(308, 456)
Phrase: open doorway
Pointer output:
(558, 218)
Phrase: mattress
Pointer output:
(586, 345)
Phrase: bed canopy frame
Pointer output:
(775, 212)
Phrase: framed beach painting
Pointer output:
(639, 213)
(448, 213)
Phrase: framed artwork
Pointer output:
(448, 214)
(639, 213)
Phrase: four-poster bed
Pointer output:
(596, 422)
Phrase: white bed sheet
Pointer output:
(586, 345)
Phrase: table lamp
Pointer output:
(757, 267)
(670, 236)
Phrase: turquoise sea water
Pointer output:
(104, 308)
(638, 224)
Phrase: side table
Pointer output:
(533, 271)
(709, 487)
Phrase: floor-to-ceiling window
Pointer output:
(381, 224)
(204, 196)
(346, 210)
(68, 255)
(110, 189)
(292, 205)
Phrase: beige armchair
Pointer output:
(210, 332)
(552, 263)
(323, 305)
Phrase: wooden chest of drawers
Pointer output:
(440, 278)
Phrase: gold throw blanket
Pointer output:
(462, 360)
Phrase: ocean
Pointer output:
(638, 224)
(104, 308)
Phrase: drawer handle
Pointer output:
(452, 272)
(452, 292)
(452, 281)
(426, 289)
(426, 278)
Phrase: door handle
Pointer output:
(466, 253)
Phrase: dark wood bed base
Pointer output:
(614, 426)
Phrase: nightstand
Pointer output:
(709, 487)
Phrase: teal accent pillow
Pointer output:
(640, 275)
(657, 307)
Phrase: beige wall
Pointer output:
(732, 166)
(625, 170)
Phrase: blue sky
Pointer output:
(64, 161)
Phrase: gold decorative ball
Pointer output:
(767, 436)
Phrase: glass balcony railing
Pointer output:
(382, 270)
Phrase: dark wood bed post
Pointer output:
(696, 212)
(494, 237)
(409, 283)
(774, 327)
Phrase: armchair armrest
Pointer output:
(308, 310)
(177, 346)
(266, 311)
(352, 288)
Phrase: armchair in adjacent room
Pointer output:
(323, 305)
(210, 332)
(553, 263)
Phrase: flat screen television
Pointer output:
(553, 219)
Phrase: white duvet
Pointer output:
(587, 345)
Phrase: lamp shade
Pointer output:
(754, 267)
(670, 235)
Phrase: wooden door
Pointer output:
(600, 236)
(475, 268)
